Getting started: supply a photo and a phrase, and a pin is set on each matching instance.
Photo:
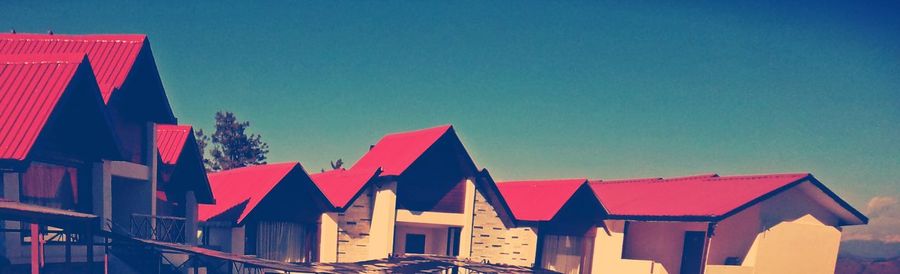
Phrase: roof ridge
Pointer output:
(759, 176)
(106, 38)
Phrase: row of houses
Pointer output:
(99, 176)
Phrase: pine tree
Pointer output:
(231, 147)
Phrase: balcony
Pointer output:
(159, 228)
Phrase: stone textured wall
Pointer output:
(494, 242)
(353, 229)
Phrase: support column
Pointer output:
(190, 216)
(384, 214)
(328, 237)
(465, 235)
(35, 249)
(101, 188)
(152, 168)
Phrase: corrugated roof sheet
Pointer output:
(538, 200)
(693, 196)
(395, 152)
(244, 185)
(111, 56)
(170, 140)
(31, 85)
(341, 186)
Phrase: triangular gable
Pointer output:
(178, 151)
(114, 58)
(249, 186)
(36, 88)
(396, 152)
(538, 200)
(341, 186)
(699, 198)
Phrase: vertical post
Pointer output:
(384, 214)
(102, 192)
(328, 237)
(710, 231)
(68, 247)
(35, 249)
(89, 237)
(151, 167)
(190, 219)
(465, 235)
(539, 247)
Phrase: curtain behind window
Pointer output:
(50, 185)
(284, 241)
(566, 254)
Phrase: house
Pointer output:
(55, 133)
(422, 188)
(769, 223)
(81, 134)
(269, 211)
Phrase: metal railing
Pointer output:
(160, 228)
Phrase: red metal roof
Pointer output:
(170, 140)
(395, 152)
(30, 87)
(538, 200)
(341, 186)
(111, 56)
(244, 185)
(694, 196)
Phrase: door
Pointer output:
(692, 253)
(453, 241)
(415, 244)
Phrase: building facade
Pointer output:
(81, 118)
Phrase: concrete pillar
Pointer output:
(101, 188)
(384, 214)
(328, 237)
(190, 218)
(152, 167)
(465, 235)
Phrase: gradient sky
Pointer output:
(538, 89)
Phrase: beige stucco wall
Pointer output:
(328, 237)
(660, 242)
(734, 237)
(384, 210)
(799, 236)
(435, 238)
(608, 244)
(495, 242)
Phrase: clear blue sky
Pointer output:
(538, 89)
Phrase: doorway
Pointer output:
(692, 252)
(415, 243)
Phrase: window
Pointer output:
(415, 243)
(50, 185)
(567, 254)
